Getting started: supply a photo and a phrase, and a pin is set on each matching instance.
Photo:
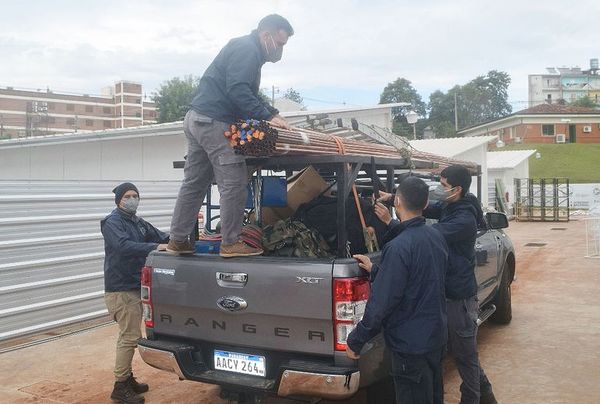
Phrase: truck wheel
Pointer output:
(502, 301)
(382, 392)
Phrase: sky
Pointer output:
(342, 52)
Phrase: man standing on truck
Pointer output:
(128, 239)
(407, 300)
(459, 216)
(228, 91)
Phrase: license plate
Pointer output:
(240, 363)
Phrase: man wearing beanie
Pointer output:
(228, 92)
(128, 239)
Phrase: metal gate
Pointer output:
(52, 252)
(542, 199)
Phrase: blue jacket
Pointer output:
(128, 240)
(228, 90)
(407, 292)
(458, 223)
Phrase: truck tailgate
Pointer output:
(259, 302)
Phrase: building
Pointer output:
(544, 123)
(466, 149)
(504, 167)
(562, 83)
(26, 113)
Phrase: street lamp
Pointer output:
(412, 117)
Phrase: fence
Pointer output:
(592, 237)
(52, 252)
(542, 199)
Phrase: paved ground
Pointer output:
(550, 353)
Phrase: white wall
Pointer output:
(478, 155)
(508, 175)
(141, 158)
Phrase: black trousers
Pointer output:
(418, 378)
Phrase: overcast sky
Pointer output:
(342, 52)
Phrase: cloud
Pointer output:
(345, 50)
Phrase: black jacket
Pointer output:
(458, 222)
(407, 294)
(128, 240)
(228, 90)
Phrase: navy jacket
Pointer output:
(458, 223)
(128, 240)
(407, 292)
(228, 91)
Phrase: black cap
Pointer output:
(120, 190)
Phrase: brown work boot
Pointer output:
(181, 247)
(123, 393)
(137, 386)
(239, 249)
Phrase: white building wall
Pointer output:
(478, 155)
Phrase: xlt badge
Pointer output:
(308, 279)
(231, 303)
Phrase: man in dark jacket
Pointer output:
(459, 216)
(407, 300)
(228, 92)
(128, 239)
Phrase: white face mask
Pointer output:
(130, 205)
(274, 51)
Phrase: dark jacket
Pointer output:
(128, 240)
(407, 294)
(458, 222)
(228, 90)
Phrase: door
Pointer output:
(486, 263)
(572, 133)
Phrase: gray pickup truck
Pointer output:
(275, 326)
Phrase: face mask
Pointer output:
(274, 52)
(441, 194)
(130, 205)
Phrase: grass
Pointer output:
(580, 163)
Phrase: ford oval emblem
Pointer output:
(232, 303)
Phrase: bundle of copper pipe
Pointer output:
(309, 142)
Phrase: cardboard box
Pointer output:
(301, 188)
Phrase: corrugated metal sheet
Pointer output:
(52, 252)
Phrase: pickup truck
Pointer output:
(277, 326)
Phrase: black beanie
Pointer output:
(120, 190)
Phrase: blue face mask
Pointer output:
(130, 205)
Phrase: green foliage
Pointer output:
(584, 102)
(174, 97)
(576, 161)
(484, 98)
(402, 90)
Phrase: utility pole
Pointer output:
(455, 113)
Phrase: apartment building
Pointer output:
(26, 113)
(564, 83)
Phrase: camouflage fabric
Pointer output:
(288, 238)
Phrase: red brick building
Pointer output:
(25, 113)
(544, 123)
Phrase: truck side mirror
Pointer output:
(496, 220)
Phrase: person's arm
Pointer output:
(386, 293)
(155, 235)
(433, 210)
(241, 70)
(457, 227)
(117, 238)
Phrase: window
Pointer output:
(106, 110)
(138, 101)
(89, 122)
(89, 108)
(51, 106)
(548, 130)
(70, 107)
(138, 114)
(70, 121)
(107, 124)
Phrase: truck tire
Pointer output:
(502, 301)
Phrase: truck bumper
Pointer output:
(296, 379)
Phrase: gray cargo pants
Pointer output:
(462, 340)
(210, 156)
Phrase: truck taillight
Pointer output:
(350, 297)
(147, 309)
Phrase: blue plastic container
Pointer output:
(207, 247)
